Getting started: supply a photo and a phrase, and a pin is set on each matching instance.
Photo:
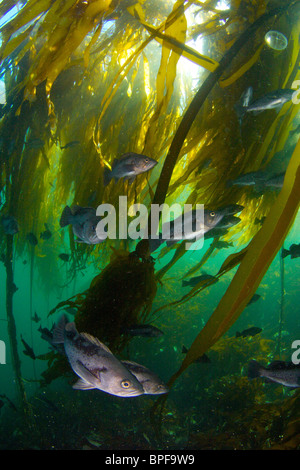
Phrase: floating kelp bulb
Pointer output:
(276, 40)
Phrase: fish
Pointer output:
(284, 373)
(10, 224)
(64, 257)
(198, 228)
(294, 251)
(148, 331)
(253, 299)
(276, 181)
(46, 334)
(46, 234)
(204, 359)
(87, 233)
(84, 222)
(228, 221)
(231, 209)
(198, 225)
(128, 166)
(94, 363)
(193, 281)
(260, 221)
(70, 144)
(31, 238)
(253, 331)
(274, 99)
(28, 350)
(249, 179)
(76, 215)
(35, 318)
(150, 382)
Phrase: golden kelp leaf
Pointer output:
(67, 33)
(180, 48)
(232, 261)
(166, 74)
(15, 42)
(33, 9)
(224, 82)
(260, 253)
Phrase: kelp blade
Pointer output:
(261, 251)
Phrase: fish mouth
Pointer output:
(133, 393)
(162, 389)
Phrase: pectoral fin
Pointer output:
(83, 385)
(90, 379)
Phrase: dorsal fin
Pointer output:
(278, 365)
(95, 341)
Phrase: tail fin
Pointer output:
(107, 176)
(285, 253)
(66, 217)
(246, 97)
(254, 370)
(185, 283)
(59, 329)
(184, 350)
(242, 105)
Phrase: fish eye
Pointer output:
(212, 213)
(125, 383)
(146, 160)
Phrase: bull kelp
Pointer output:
(180, 103)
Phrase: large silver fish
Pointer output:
(252, 178)
(128, 166)
(192, 225)
(151, 383)
(284, 373)
(84, 222)
(86, 232)
(274, 99)
(76, 215)
(94, 363)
